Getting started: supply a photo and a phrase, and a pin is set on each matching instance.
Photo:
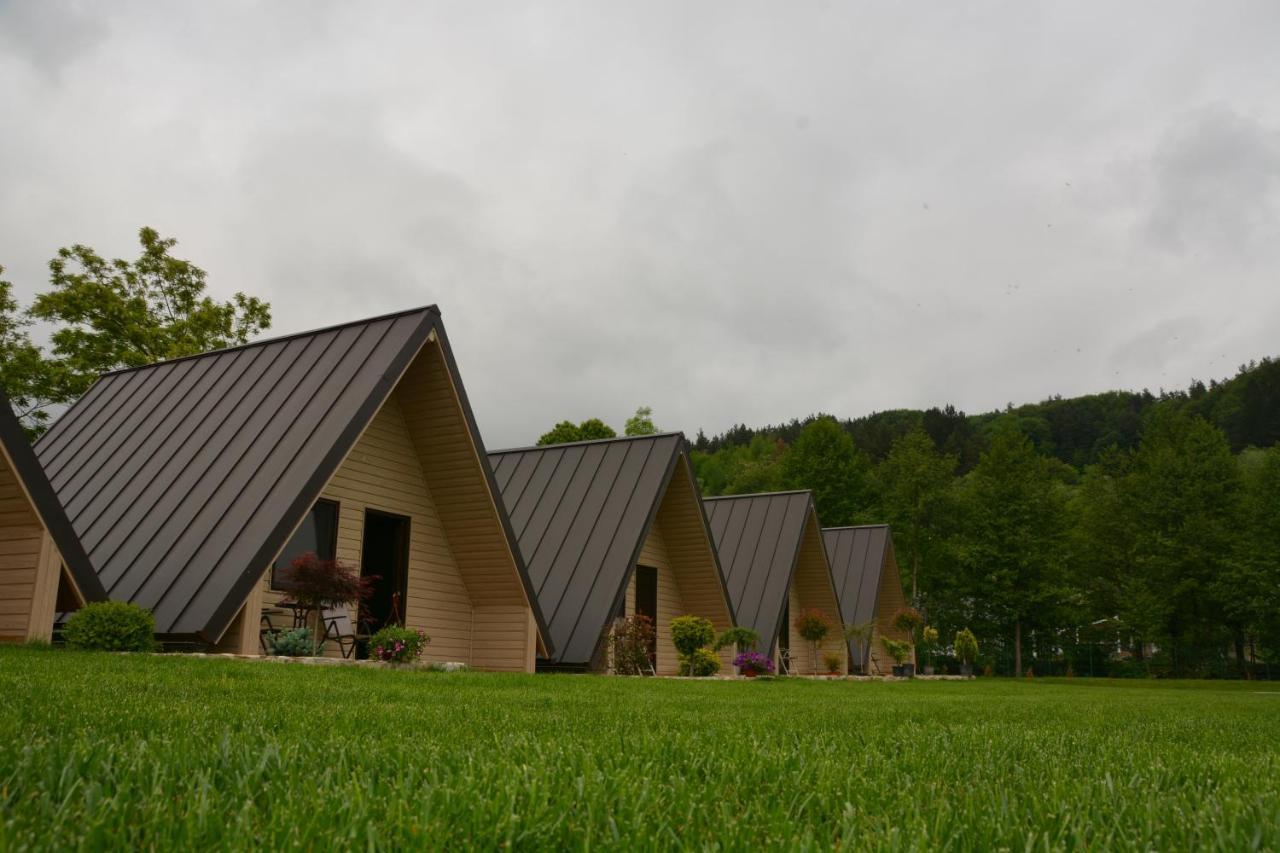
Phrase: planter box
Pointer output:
(897, 670)
(908, 670)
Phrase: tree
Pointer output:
(911, 483)
(1013, 530)
(110, 314)
(117, 313)
(1256, 577)
(566, 431)
(641, 423)
(24, 376)
(1183, 491)
(824, 458)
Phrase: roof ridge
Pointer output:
(589, 441)
(778, 493)
(289, 337)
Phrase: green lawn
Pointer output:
(171, 752)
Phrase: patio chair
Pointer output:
(338, 627)
(784, 661)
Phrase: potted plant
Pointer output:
(751, 664)
(859, 636)
(832, 662)
(908, 620)
(966, 650)
(324, 584)
(693, 636)
(740, 639)
(813, 625)
(899, 650)
(394, 644)
(928, 642)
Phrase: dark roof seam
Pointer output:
(197, 510)
(154, 399)
(613, 536)
(533, 551)
(594, 521)
(58, 459)
(315, 426)
(177, 475)
(51, 443)
(89, 522)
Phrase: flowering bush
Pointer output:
(813, 625)
(701, 664)
(394, 644)
(631, 641)
(753, 663)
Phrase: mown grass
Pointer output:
(173, 753)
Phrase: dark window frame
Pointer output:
(282, 562)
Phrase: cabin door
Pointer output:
(384, 560)
(647, 605)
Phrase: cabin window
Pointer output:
(318, 534)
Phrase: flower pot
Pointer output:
(966, 669)
(750, 673)
(928, 669)
(908, 670)
(897, 670)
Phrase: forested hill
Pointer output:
(1075, 430)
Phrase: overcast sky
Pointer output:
(731, 212)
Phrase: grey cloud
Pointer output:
(729, 212)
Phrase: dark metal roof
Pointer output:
(581, 512)
(27, 469)
(759, 538)
(857, 556)
(184, 479)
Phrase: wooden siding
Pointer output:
(811, 589)
(457, 590)
(681, 564)
(889, 599)
(30, 567)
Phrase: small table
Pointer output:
(301, 612)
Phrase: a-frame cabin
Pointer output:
(192, 483)
(775, 566)
(612, 528)
(43, 568)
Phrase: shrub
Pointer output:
(702, 662)
(630, 642)
(897, 649)
(394, 644)
(294, 643)
(111, 626)
(832, 662)
(966, 646)
(690, 633)
(908, 620)
(813, 625)
(741, 639)
(754, 662)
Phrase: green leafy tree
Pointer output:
(567, 431)
(116, 313)
(1255, 581)
(25, 377)
(1183, 493)
(825, 459)
(1013, 531)
(641, 423)
(911, 484)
